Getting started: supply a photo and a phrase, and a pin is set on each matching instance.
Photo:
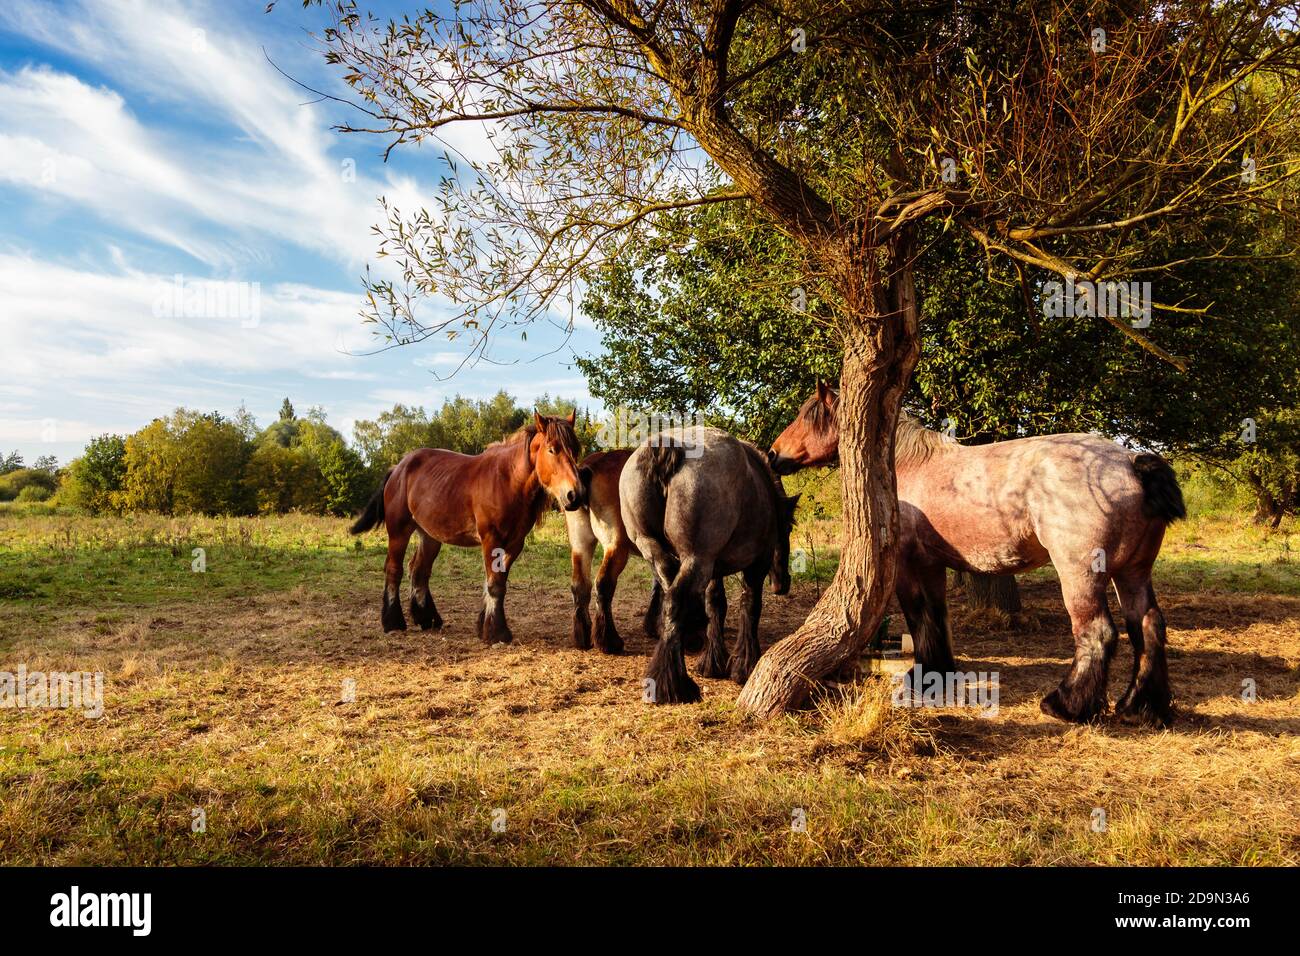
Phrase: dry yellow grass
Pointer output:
(232, 703)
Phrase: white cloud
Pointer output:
(99, 336)
(70, 140)
(192, 141)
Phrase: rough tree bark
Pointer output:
(881, 346)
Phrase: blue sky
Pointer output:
(144, 140)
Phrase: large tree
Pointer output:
(1064, 136)
(709, 324)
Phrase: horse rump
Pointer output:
(660, 462)
(1161, 496)
(374, 510)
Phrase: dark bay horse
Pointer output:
(1094, 509)
(701, 506)
(489, 501)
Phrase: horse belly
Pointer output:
(607, 527)
(966, 539)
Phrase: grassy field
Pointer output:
(224, 700)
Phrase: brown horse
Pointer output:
(489, 501)
(600, 520)
(1095, 510)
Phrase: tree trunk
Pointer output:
(1267, 508)
(880, 350)
(990, 591)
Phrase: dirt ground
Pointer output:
(234, 706)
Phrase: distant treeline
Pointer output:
(207, 463)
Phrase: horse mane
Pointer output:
(759, 458)
(819, 416)
(557, 428)
(914, 444)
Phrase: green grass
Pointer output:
(148, 560)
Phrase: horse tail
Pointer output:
(1161, 496)
(660, 463)
(374, 512)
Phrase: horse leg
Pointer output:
(423, 611)
(713, 662)
(582, 546)
(651, 622)
(684, 615)
(492, 626)
(1148, 696)
(392, 617)
(921, 590)
(751, 608)
(611, 566)
(1081, 696)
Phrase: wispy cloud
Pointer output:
(148, 138)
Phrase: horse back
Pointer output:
(1011, 506)
(452, 497)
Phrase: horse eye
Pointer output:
(554, 450)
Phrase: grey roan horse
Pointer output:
(700, 505)
(1097, 511)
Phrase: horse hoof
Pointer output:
(740, 671)
(607, 637)
(581, 630)
(714, 668)
(501, 635)
(425, 615)
(678, 692)
(392, 619)
(1146, 714)
(1053, 705)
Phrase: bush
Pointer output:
(33, 492)
(15, 482)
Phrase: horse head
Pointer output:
(813, 438)
(554, 450)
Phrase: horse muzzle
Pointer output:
(780, 464)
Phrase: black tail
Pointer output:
(661, 462)
(374, 512)
(1161, 496)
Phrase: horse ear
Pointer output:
(792, 503)
(573, 415)
(539, 421)
(823, 392)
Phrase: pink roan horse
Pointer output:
(1094, 509)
